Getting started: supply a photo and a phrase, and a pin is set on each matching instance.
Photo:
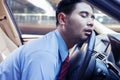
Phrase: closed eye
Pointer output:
(84, 14)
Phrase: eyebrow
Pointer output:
(87, 14)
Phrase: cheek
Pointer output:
(79, 25)
(76, 24)
(79, 22)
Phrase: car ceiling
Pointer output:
(110, 7)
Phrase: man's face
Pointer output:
(79, 23)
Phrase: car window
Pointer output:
(34, 16)
(38, 16)
(107, 20)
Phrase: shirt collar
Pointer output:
(63, 50)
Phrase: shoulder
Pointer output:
(47, 45)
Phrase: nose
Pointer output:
(90, 23)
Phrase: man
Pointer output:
(41, 59)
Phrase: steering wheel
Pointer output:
(80, 59)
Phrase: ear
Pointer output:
(61, 18)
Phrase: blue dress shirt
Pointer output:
(39, 59)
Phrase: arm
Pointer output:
(38, 66)
(9, 68)
(101, 29)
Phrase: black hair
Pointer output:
(66, 6)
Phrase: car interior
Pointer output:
(108, 62)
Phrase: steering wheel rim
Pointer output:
(80, 60)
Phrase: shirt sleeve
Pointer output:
(9, 68)
(21, 65)
(39, 66)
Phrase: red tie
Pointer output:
(64, 69)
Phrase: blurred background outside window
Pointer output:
(41, 13)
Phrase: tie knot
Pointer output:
(67, 59)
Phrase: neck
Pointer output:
(70, 42)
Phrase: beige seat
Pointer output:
(9, 36)
(8, 39)
(6, 45)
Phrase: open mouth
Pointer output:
(88, 32)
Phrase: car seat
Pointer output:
(8, 39)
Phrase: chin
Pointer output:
(84, 38)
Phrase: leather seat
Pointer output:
(6, 45)
(9, 39)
